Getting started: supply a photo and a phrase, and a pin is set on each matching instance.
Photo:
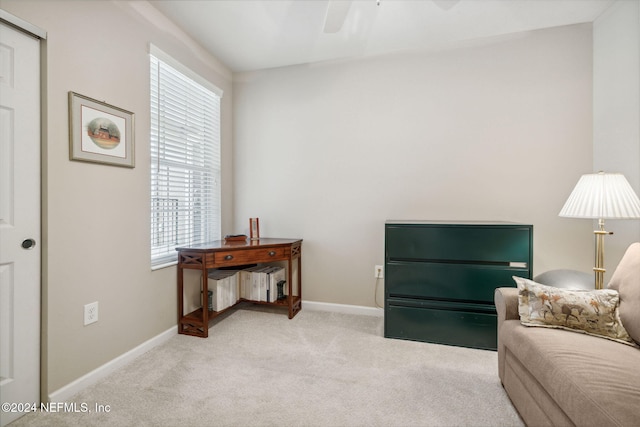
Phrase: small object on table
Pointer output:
(254, 228)
(235, 237)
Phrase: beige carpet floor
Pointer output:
(258, 368)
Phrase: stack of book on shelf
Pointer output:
(258, 283)
(224, 287)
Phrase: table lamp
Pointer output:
(602, 196)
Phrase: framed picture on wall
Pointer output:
(99, 132)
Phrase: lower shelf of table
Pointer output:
(193, 323)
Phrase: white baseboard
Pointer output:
(65, 393)
(342, 308)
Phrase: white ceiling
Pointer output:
(252, 34)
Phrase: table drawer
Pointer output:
(249, 256)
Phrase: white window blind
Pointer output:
(185, 163)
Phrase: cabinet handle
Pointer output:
(518, 264)
(228, 257)
(272, 253)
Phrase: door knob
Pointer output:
(28, 244)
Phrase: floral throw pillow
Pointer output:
(591, 312)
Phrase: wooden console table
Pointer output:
(228, 254)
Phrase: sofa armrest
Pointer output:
(506, 300)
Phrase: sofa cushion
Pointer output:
(626, 280)
(595, 382)
(591, 312)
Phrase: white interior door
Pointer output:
(19, 221)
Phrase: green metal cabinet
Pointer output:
(440, 278)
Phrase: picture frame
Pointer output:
(100, 133)
(254, 228)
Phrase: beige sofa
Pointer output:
(558, 377)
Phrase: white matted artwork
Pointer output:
(99, 132)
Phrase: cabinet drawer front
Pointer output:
(461, 328)
(250, 256)
(461, 282)
(487, 243)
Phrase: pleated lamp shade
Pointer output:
(602, 195)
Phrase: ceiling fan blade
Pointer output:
(445, 4)
(337, 11)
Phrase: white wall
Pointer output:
(96, 220)
(616, 112)
(499, 129)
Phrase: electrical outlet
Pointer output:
(90, 313)
(379, 272)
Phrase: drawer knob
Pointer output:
(272, 253)
(228, 257)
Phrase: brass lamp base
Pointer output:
(599, 268)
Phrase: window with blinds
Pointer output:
(185, 163)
